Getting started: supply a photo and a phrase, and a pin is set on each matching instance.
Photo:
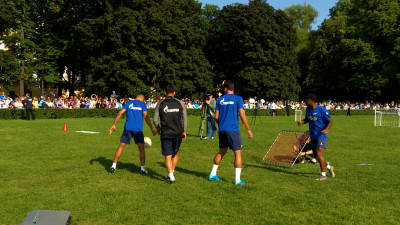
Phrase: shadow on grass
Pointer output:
(192, 135)
(190, 172)
(277, 169)
(126, 166)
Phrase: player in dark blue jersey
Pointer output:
(135, 110)
(228, 107)
(319, 122)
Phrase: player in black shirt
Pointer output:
(28, 106)
(173, 120)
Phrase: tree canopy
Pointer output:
(356, 53)
(137, 46)
(254, 45)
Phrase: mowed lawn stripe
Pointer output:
(43, 167)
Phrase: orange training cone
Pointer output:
(65, 127)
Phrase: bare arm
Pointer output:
(146, 118)
(216, 116)
(184, 115)
(122, 111)
(155, 118)
(302, 122)
(330, 123)
(244, 120)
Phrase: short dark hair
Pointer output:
(169, 89)
(312, 96)
(228, 84)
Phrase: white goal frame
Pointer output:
(393, 113)
(299, 113)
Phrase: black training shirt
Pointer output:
(172, 113)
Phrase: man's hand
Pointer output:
(299, 123)
(111, 129)
(183, 135)
(153, 132)
(324, 131)
(159, 131)
(250, 134)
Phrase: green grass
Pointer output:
(43, 167)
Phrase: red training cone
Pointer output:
(65, 127)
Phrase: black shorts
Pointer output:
(231, 139)
(127, 135)
(170, 146)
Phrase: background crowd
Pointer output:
(113, 101)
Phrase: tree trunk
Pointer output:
(22, 70)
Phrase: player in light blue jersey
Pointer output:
(228, 107)
(135, 110)
(319, 122)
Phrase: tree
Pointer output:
(140, 46)
(17, 33)
(355, 56)
(303, 16)
(9, 67)
(254, 45)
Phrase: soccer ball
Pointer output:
(147, 142)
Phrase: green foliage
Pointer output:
(135, 46)
(9, 67)
(140, 46)
(253, 45)
(16, 33)
(302, 15)
(355, 56)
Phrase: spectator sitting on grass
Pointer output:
(87, 103)
(59, 103)
(18, 104)
(44, 104)
(35, 103)
(41, 100)
(3, 104)
(50, 103)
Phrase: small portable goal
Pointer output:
(282, 153)
(387, 117)
(299, 113)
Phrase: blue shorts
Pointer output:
(231, 139)
(318, 143)
(170, 146)
(127, 135)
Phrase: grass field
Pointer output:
(43, 167)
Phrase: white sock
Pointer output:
(171, 176)
(114, 165)
(323, 174)
(142, 168)
(237, 174)
(328, 166)
(214, 170)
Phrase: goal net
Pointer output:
(387, 117)
(299, 114)
(286, 148)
